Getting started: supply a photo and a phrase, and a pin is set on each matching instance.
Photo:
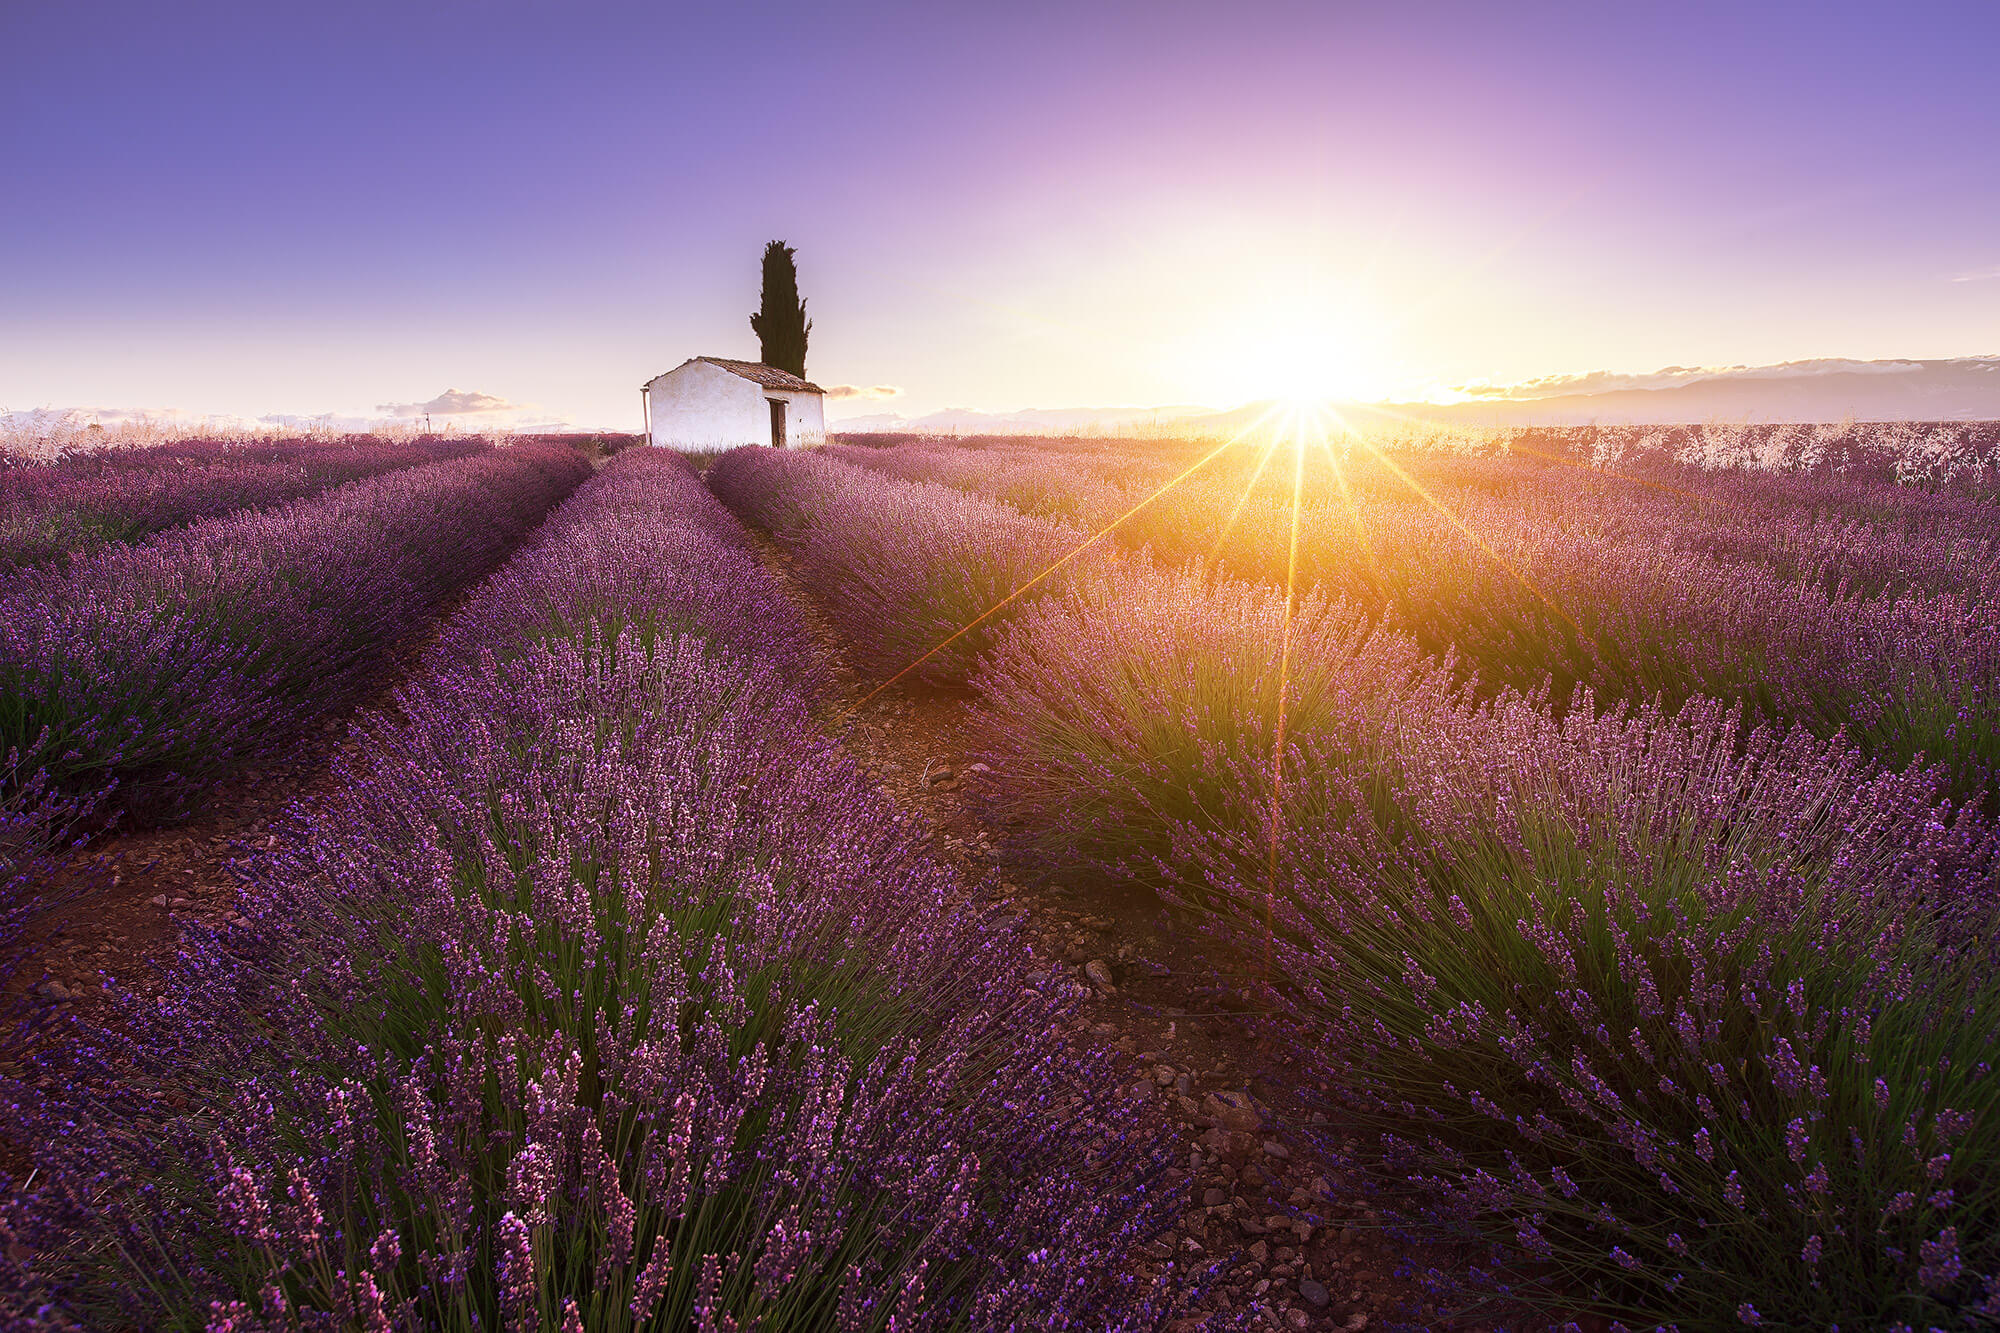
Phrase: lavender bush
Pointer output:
(38, 829)
(83, 501)
(654, 554)
(1692, 1026)
(1841, 603)
(914, 575)
(1676, 1015)
(1121, 709)
(160, 666)
(607, 993)
(34, 822)
(1062, 487)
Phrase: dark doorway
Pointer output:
(777, 422)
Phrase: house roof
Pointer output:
(770, 377)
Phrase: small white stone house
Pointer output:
(708, 403)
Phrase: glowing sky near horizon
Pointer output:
(261, 208)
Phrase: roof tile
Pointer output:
(769, 376)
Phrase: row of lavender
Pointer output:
(1800, 518)
(1837, 603)
(1831, 532)
(1962, 457)
(606, 993)
(162, 666)
(1691, 1021)
(147, 673)
(1684, 1020)
(908, 570)
(49, 510)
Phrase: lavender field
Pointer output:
(1608, 820)
(1575, 851)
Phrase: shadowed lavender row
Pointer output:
(54, 509)
(164, 665)
(607, 993)
(652, 555)
(38, 831)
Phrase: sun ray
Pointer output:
(1466, 531)
(1277, 813)
(1215, 551)
(1354, 516)
(1516, 447)
(1057, 564)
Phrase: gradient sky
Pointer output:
(281, 208)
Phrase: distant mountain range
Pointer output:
(1957, 389)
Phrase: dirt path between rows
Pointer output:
(1306, 1253)
(124, 923)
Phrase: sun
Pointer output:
(1296, 358)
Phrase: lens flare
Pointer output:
(1057, 564)
(1299, 427)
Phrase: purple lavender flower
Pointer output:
(604, 977)
(162, 666)
(919, 576)
(59, 509)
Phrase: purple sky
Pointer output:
(267, 208)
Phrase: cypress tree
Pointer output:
(780, 323)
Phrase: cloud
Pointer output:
(1978, 274)
(450, 403)
(864, 391)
